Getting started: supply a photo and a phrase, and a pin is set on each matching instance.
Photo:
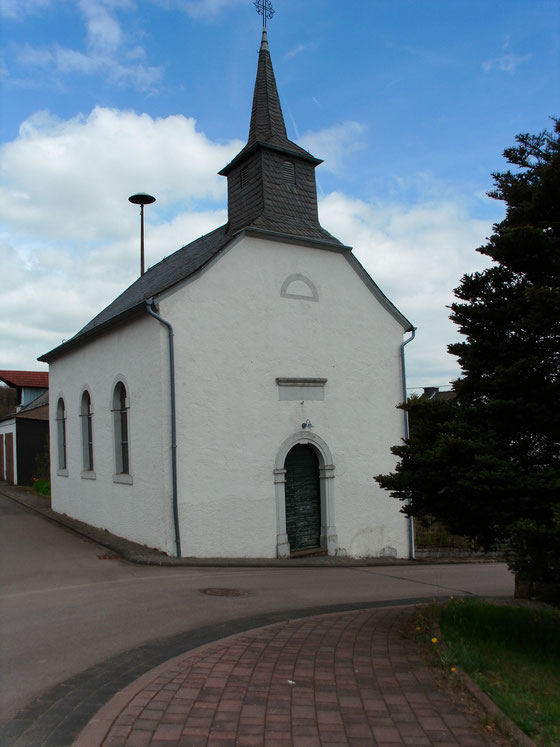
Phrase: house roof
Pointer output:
(38, 379)
(433, 393)
(445, 396)
(40, 401)
(171, 270)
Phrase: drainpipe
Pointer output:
(150, 303)
(412, 552)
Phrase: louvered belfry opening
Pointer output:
(303, 499)
(271, 182)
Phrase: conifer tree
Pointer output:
(488, 464)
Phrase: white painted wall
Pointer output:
(137, 355)
(234, 335)
(9, 426)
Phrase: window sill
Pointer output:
(62, 472)
(123, 478)
(88, 475)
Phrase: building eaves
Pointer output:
(378, 293)
(168, 272)
(288, 149)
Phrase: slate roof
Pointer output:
(171, 270)
(433, 393)
(267, 128)
(38, 379)
(445, 396)
(268, 197)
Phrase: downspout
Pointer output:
(412, 551)
(149, 304)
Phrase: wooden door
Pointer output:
(303, 499)
(9, 446)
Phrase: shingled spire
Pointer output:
(267, 120)
(271, 182)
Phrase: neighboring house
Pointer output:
(27, 384)
(237, 399)
(433, 393)
(24, 432)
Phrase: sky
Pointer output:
(410, 103)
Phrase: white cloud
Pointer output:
(210, 8)
(28, 55)
(104, 31)
(109, 51)
(18, 9)
(70, 179)
(417, 255)
(335, 143)
(507, 63)
(291, 53)
(69, 237)
(56, 290)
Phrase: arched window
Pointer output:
(86, 414)
(120, 429)
(61, 433)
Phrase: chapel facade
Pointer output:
(237, 399)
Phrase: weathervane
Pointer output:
(264, 9)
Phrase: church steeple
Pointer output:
(267, 120)
(271, 181)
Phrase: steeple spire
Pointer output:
(267, 120)
(271, 182)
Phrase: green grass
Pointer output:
(513, 654)
(42, 486)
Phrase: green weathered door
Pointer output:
(303, 501)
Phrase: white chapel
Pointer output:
(238, 398)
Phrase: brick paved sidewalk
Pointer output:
(341, 679)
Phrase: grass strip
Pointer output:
(42, 486)
(513, 654)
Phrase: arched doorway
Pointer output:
(303, 498)
(328, 539)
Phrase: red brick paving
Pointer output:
(341, 679)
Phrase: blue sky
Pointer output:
(411, 105)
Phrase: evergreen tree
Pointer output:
(488, 464)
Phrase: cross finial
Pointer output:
(264, 9)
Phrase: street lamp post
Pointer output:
(141, 199)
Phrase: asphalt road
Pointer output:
(65, 605)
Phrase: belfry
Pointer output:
(271, 182)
